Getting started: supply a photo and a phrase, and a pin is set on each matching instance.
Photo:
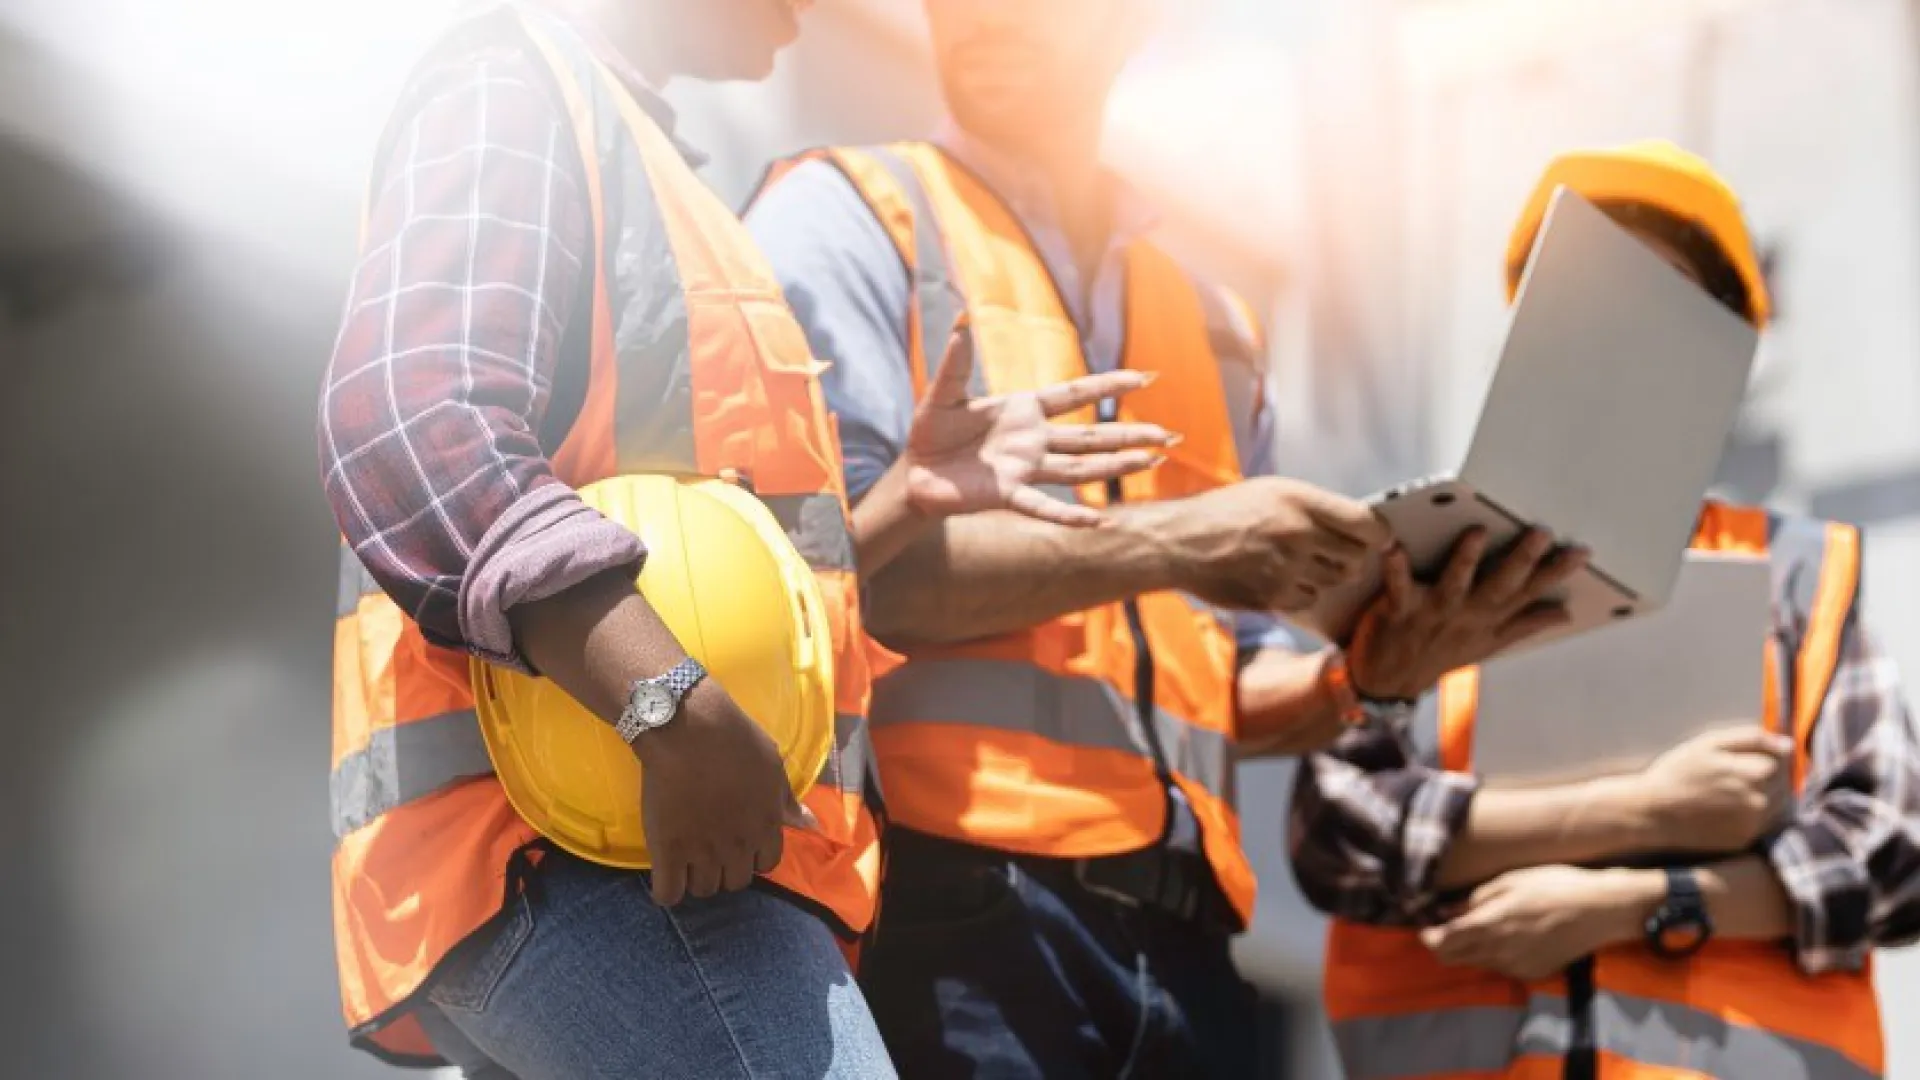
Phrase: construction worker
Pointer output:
(1711, 916)
(549, 297)
(1057, 752)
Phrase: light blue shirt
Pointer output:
(847, 284)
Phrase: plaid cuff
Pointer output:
(1436, 812)
(546, 543)
(1831, 892)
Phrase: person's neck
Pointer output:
(638, 29)
(1070, 165)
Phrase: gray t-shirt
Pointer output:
(847, 284)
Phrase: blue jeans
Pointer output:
(584, 976)
(982, 969)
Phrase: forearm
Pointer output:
(885, 522)
(1284, 706)
(595, 640)
(1744, 899)
(1570, 823)
(987, 574)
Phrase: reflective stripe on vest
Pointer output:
(411, 761)
(978, 742)
(404, 763)
(1066, 709)
(1396, 1013)
(1486, 1040)
(709, 378)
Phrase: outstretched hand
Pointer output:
(966, 455)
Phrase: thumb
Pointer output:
(1350, 517)
(1752, 739)
(796, 816)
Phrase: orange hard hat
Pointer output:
(1656, 174)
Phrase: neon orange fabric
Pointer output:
(424, 870)
(1381, 983)
(987, 775)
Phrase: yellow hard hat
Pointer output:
(1652, 173)
(738, 597)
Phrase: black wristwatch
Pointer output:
(1680, 926)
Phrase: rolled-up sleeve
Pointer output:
(847, 285)
(441, 373)
(1368, 827)
(1850, 859)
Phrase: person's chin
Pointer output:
(754, 55)
(744, 62)
(1000, 123)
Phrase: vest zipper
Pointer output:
(1583, 1061)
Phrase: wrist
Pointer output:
(1366, 677)
(659, 706)
(892, 494)
(1634, 815)
(1162, 538)
(1623, 900)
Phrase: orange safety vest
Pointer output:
(424, 833)
(1043, 742)
(1737, 1010)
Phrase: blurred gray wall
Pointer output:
(166, 589)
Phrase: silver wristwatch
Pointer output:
(653, 703)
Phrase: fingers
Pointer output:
(1456, 581)
(767, 858)
(1534, 619)
(1354, 524)
(796, 816)
(1470, 938)
(950, 379)
(1465, 942)
(738, 871)
(1396, 580)
(1088, 390)
(1327, 571)
(1749, 739)
(1298, 595)
(1072, 469)
(1107, 438)
(1506, 581)
(1040, 506)
(1555, 572)
(669, 880)
(703, 878)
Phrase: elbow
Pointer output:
(1317, 888)
(1850, 874)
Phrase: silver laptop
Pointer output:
(1617, 386)
(1611, 701)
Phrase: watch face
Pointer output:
(1678, 935)
(652, 704)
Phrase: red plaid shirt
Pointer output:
(440, 380)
